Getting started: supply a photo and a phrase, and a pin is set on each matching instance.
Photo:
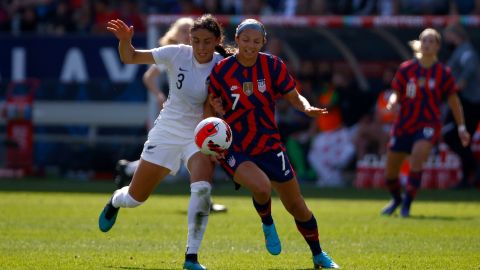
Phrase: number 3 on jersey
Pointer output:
(180, 78)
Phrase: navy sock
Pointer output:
(264, 211)
(191, 257)
(393, 186)
(309, 230)
(414, 182)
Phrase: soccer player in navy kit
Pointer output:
(420, 85)
(244, 88)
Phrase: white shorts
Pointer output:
(168, 150)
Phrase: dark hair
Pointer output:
(210, 23)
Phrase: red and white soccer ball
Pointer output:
(213, 135)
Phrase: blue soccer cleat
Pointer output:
(322, 260)
(405, 210)
(272, 242)
(107, 218)
(390, 208)
(188, 265)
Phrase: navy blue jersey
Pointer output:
(248, 95)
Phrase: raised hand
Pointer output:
(120, 29)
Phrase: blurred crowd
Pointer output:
(87, 16)
(358, 122)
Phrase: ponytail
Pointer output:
(225, 51)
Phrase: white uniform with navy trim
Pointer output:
(171, 140)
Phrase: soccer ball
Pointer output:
(213, 135)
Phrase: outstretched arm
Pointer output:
(457, 110)
(128, 53)
(300, 103)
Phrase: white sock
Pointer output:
(131, 167)
(121, 198)
(198, 211)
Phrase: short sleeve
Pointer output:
(212, 82)
(399, 82)
(450, 87)
(164, 55)
(281, 78)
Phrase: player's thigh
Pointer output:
(291, 197)
(200, 167)
(249, 175)
(394, 163)
(147, 176)
(420, 152)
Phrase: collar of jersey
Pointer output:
(197, 64)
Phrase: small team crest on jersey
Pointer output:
(248, 88)
(431, 84)
(428, 132)
(231, 161)
(262, 85)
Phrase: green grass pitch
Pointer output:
(53, 225)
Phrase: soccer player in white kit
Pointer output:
(171, 140)
(178, 33)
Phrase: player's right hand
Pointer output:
(120, 29)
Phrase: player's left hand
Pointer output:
(315, 112)
(464, 137)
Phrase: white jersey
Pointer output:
(183, 109)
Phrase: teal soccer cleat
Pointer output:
(188, 265)
(272, 242)
(322, 260)
(107, 218)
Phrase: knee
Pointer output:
(296, 207)
(263, 190)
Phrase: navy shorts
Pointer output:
(274, 164)
(404, 143)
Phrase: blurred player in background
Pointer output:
(420, 85)
(465, 66)
(244, 89)
(178, 33)
(171, 140)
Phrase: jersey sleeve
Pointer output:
(399, 82)
(164, 55)
(281, 78)
(213, 84)
(449, 87)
